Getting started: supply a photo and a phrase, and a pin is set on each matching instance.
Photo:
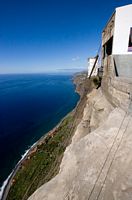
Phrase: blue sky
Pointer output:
(51, 35)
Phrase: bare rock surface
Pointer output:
(97, 165)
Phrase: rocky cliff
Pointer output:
(98, 162)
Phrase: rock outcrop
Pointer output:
(98, 162)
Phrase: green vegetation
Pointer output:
(43, 164)
(97, 81)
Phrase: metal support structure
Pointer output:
(96, 59)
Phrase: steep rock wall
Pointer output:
(85, 157)
(98, 162)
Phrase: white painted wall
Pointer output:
(91, 62)
(123, 22)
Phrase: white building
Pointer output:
(91, 62)
(117, 41)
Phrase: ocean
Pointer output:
(30, 106)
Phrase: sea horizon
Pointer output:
(71, 71)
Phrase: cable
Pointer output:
(108, 154)
(114, 155)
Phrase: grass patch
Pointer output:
(97, 81)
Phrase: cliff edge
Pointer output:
(98, 162)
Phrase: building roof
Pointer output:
(114, 14)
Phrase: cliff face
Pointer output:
(98, 162)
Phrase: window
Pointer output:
(109, 45)
(130, 41)
(107, 48)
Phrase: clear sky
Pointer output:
(51, 35)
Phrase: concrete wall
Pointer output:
(118, 90)
(124, 65)
(119, 27)
(108, 31)
(123, 23)
(121, 54)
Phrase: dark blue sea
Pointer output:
(30, 105)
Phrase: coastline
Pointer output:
(8, 182)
